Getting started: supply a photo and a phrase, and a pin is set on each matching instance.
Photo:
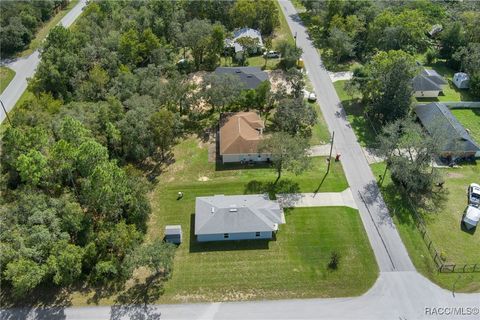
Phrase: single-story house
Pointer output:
(248, 77)
(238, 217)
(428, 84)
(232, 43)
(436, 118)
(173, 234)
(461, 80)
(239, 137)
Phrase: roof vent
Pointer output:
(233, 210)
(213, 209)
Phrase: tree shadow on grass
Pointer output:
(46, 295)
(231, 245)
(283, 186)
(141, 294)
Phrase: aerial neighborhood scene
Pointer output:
(240, 159)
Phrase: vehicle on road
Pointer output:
(474, 194)
(272, 54)
(471, 217)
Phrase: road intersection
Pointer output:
(399, 293)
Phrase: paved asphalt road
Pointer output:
(386, 243)
(400, 293)
(25, 67)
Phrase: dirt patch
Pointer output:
(203, 179)
(278, 80)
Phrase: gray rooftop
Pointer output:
(234, 214)
(428, 80)
(251, 77)
(436, 116)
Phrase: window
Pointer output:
(225, 236)
(257, 234)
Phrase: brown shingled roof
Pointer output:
(240, 133)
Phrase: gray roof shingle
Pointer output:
(250, 77)
(238, 213)
(436, 116)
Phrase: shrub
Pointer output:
(334, 260)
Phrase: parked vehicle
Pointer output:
(471, 217)
(474, 194)
(312, 97)
(272, 54)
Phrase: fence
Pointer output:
(437, 257)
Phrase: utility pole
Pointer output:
(295, 37)
(6, 113)
(331, 149)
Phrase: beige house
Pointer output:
(240, 135)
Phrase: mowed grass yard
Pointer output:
(354, 110)
(293, 265)
(470, 119)
(443, 226)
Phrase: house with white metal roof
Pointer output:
(244, 33)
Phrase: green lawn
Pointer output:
(292, 266)
(354, 110)
(470, 119)
(6, 75)
(191, 166)
(320, 133)
(45, 29)
(282, 32)
(443, 226)
(450, 91)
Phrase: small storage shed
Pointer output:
(173, 234)
(461, 80)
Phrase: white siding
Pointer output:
(426, 94)
(234, 236)
(257, 157)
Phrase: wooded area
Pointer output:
(20, 20)
(110, 101)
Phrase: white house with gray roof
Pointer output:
(244, 33)
(238, 217)
(428, 84)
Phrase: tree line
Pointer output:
(20, 20)
(357, 30)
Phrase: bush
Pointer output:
(334, 260)
(430, 56)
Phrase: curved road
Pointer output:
(25, 67)
(400, 292)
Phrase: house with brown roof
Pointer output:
(239, 137)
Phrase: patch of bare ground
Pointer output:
(278, 80)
